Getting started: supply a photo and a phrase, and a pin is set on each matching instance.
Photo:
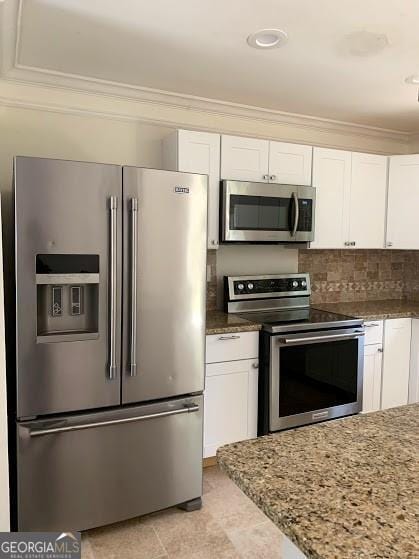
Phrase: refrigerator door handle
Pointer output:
(113, 206)
(133, 326)
(188, 408)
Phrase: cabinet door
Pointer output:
(367, 207)
(331, 177)
(290, 163)
(198, 152)
(414, 364)
(230, 401)
(371, 397)
(244, 159)
(403, 200)
(396, 364)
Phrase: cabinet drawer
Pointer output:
(373, 332)
(232, 346)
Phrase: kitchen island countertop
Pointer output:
(344, 489)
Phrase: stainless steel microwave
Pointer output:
(260, 212)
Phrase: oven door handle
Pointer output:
(313, 339)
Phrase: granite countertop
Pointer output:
(373, 310)
(345, 489)
(219, 322)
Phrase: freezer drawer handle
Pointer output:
(113, 206)
(189, 408)
(133, 325)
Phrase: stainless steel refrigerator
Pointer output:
(110, 340)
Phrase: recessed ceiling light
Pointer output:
(267, 39)
(413, 79)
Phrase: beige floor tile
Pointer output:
(263, 541)
(127, 540)
(232, 508)
(86, 548)
(189, 533)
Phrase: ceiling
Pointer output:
(331, 67)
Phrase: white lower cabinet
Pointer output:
(231, 390)
(371, 396)
(414, 363)
(396, 363)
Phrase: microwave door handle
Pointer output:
(296, 214)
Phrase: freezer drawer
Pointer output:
(89, 470)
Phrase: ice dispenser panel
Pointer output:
(67, 297)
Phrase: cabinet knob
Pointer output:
(272, 177)
(255, 365)
(265, 177)
(380, 350)
(347, 243)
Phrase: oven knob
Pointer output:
(304, 283)
(295, 283)
(250, 286)
(240, 286)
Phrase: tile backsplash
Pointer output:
(361, 275)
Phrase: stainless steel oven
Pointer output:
(266, 212)
(313, 375)
(311, 360)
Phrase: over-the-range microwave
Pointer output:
(259, 212)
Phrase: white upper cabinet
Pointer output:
(249, 159)
(244, 159)
(198, 152)
(290, 163)
(367, 207)
(403, 202)
(350, 199)
(332, 180)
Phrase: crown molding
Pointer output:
(43, 89)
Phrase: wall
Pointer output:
(360, 275)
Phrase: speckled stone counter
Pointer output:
(374, 310)
(344, 489)
(221, 323)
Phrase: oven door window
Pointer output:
(316, 376)
(265, 213)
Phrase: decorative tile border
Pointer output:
(361, 275)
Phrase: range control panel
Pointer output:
(252, 287)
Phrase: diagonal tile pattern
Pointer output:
(229, 526)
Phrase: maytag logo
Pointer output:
(40, 545)
(181, 189)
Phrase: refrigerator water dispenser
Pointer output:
(67, 297)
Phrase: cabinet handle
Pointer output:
(389, 244)
(265, 177)
(347, 243)
(272, 177)
(226, 338)
(380, 350)
(372, 325)
(353, 243)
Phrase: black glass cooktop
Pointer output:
(300, 319)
